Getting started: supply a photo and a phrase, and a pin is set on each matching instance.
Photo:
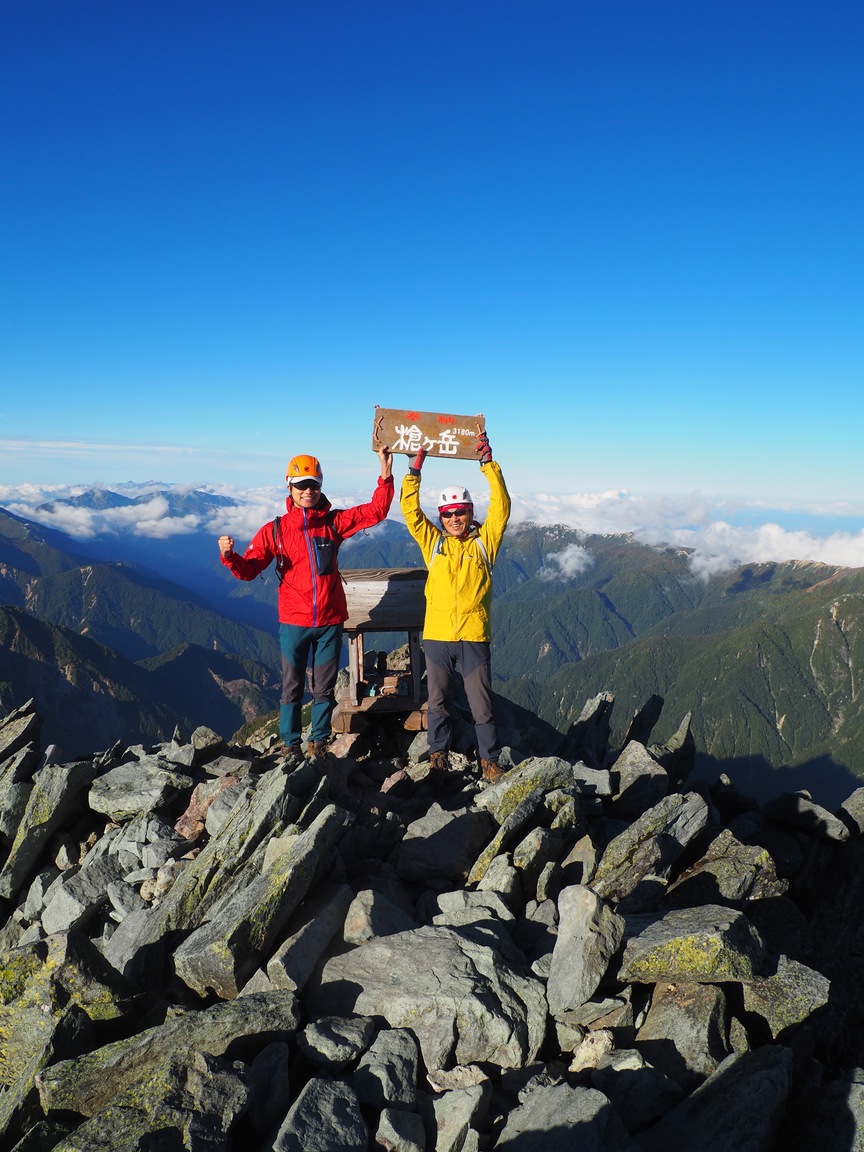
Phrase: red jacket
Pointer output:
(310, 587)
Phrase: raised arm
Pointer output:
(492, 530)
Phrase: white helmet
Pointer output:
(456, 494)
(455, 497)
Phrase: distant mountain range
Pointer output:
(768, 658)
(179, 502)
(108, 649)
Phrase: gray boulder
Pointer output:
(588, 937)
(560, 1118)
(19, 729)
(310, 932)
(441, 845)
(799, 810)
(400, 1131)
(651, 845)
(335, 1042)
(371, 914)
(16, 776)
(684, 1033)
(80, 896)
(57, 798)
(788, 996)
(638, 1092)
(453, 1118)
(729, 870)
(709, 944)
(740, 1106)
(386, 1076)
(201, 1098)
(142, 786)
(223, 953)
(462, 997)
(642, 781)
(89, 1082)
(325, 1117)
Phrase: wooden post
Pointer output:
(355, 665)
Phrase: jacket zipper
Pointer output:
(312, 571)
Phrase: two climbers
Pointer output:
(459, 554)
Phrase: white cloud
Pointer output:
(705, 527)
(168, 526)
(76, 522)
(244, 520)
(720, 547)
(87, 449)
(614, 511)
(148, 519)
(569, 562)
(702, 526)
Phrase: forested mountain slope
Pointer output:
(91, 696)
(770, 663)
(767, 658)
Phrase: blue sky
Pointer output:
(629, 233)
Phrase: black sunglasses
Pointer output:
(445, 515)
(303, 485)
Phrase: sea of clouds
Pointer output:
(718, 534)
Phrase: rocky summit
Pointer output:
(207, 945)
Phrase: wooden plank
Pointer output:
(384, 599)
(441, 434)
(355, 720)
(355, 667)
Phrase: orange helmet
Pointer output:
(303, 468)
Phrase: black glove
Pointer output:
(482, 449)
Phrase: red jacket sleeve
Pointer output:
(255, 559)
(347, 521)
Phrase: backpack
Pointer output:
(326, 548)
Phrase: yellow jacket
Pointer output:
(459, 585)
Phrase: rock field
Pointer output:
(205, 947)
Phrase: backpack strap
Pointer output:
(277, 548)
(439, 548)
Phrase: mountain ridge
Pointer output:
(767, 658)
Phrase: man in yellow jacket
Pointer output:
(459, 554)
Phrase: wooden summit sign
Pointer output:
(438, 433)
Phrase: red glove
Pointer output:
(417, 463)
(482, 449)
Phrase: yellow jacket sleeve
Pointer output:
(492, 529)
(419, 525)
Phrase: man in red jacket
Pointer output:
(312, 607)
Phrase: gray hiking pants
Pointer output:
(472, 658)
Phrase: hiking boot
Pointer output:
(492, 770)
(439, 762)
(293, 755)
(315, 749)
